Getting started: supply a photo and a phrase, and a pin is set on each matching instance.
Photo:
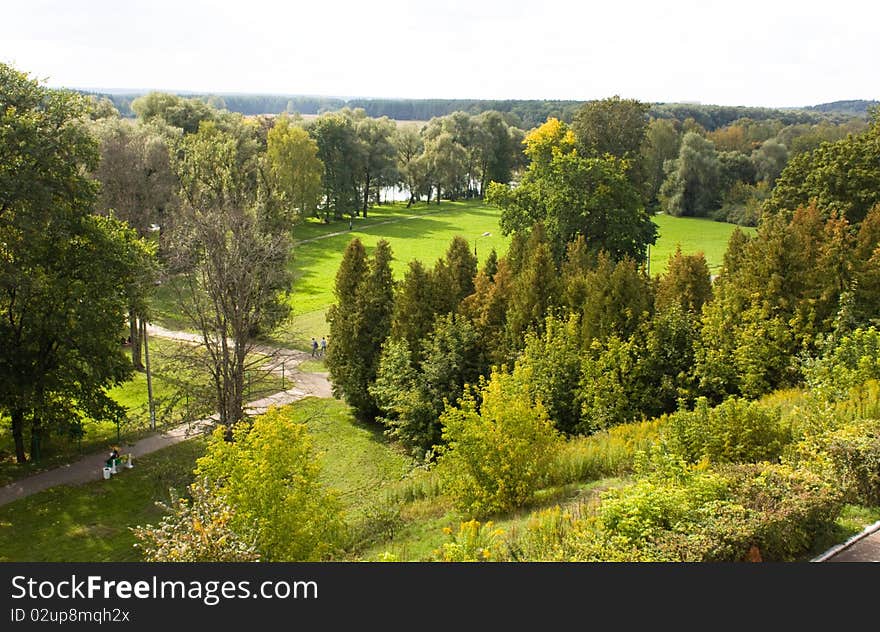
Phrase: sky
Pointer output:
(785, 53)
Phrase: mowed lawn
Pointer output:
(693, 234)
(427, 236)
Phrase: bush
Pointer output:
(850, 454)
(268, 474)
(198, 529)
(736, 431)
(497, 457)
(474, 542)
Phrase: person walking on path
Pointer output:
(323, 346)
(314, 347)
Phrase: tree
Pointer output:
(572, 195)
(139, 187)
(186, 114)
(618, 297)
(693, 179)
(341, 155)
(661, 144)
(687, 282)
(533, 291)
(295, 168)
(411, 165)
(360, 321)
(231, 258)
(453, 276)
(280, 502)
(843, 176)
(447, 162)
(64, 272)
(498, 454)
(770, 159)
(550, 369)
(414, 307)
(378, 152)
(613, 127)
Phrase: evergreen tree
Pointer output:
(360, 321)
(687, 282)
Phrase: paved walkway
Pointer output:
(864, 547)
(90, 468)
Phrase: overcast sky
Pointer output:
(738, 52)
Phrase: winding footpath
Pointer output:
(90, 468)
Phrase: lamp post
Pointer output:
(149, 378)
(486, 234)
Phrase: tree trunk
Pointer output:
(17, 416)
(36, 438)
(438, 194)
(366, 193)
(135, 341)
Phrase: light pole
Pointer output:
(486, 234)
(154, 228)
(149, 378)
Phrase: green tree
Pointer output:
(64, 273)
(618, 297)
(453, 276)
(692, 185)
(138, 186)
(572, 195)
(414, 307)
(269, 475)
(687, 282)
(770, 159)
(497, 456)
(661, 144)
(295, 167)
(341, 155)
(843, 176)
(378, 152)
(186, 114)
(360, 321)
(612, 126)
(231, 257)
(552, 364)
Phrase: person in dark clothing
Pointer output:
(314, 347)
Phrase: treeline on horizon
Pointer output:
(527, 113)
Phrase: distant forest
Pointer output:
(525, 114)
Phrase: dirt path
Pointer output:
(90, 468)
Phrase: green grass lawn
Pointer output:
(693, 234)
(90, 523)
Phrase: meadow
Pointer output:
(424, 232)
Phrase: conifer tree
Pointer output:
(360, 321)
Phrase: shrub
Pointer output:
(735, 431)
(269, 475)
(474, 542)
(496, 458)
(198, 529)
(850, 454)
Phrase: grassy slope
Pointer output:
(91, 522)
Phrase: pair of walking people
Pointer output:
(315, 352)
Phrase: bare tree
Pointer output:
(231, 259)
